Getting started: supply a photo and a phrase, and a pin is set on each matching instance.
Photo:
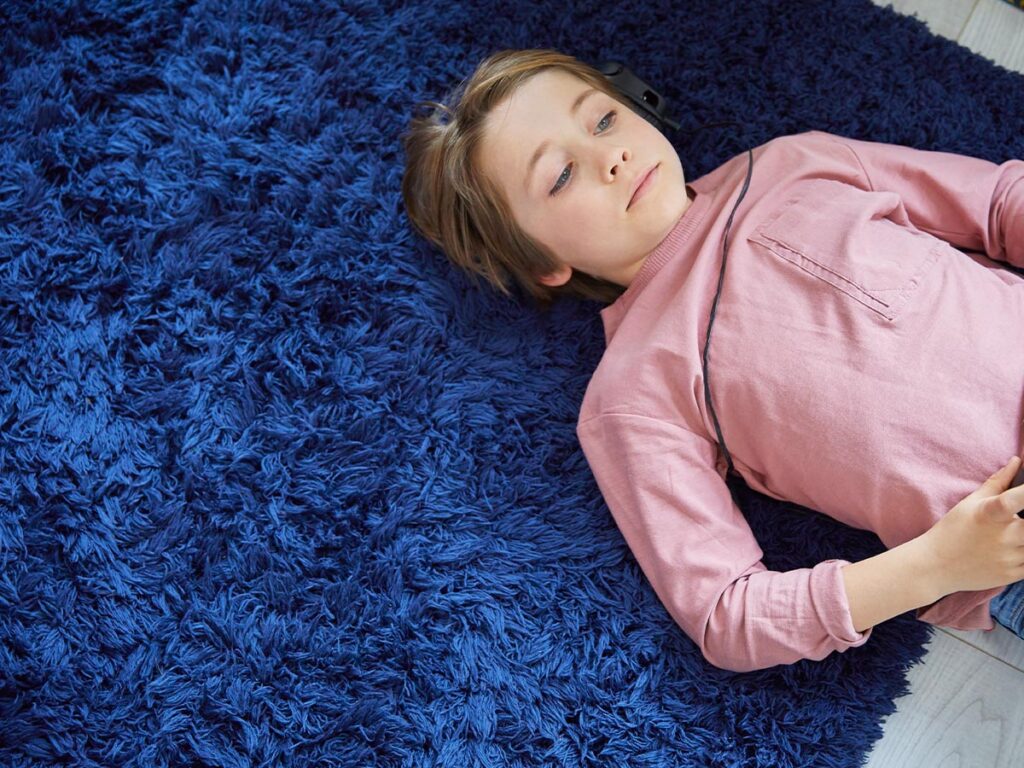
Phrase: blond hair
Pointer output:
(457, 208)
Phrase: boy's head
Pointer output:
(568, 227)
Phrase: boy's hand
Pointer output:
(979, 544)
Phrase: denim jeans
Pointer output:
(1008, 608)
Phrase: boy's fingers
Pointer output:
(999, 480)
(1006, 473)
(1014, 499)
(1010, 501)
(997, 486)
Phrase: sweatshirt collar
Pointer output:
(673, 244)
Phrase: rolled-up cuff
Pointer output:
(835, 610)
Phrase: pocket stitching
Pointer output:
(802, 261)
(841, 282)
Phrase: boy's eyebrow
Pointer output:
(544, 144)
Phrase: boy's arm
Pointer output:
(973, 204)
(697, 551)
(891, 583)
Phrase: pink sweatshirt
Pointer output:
(861, 365)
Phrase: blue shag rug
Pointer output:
(283, 488)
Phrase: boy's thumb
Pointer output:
(1002, 478)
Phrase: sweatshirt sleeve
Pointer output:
(700, 556)
(973, 204)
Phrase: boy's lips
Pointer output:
(640, 181)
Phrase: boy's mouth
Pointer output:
(645, 180)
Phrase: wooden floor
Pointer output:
(966, 706)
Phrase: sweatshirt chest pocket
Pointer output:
(859, 242)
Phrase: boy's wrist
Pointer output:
(898, 580)
(934, 579)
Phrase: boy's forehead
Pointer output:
(554, 83)
(546, 89)
(532, 100)
(520, 122)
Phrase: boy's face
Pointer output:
(596, 159)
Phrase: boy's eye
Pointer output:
(559, 184)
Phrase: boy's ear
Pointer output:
(559, 277)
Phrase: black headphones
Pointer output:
(649, 104)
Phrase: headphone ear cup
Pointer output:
(644, 100)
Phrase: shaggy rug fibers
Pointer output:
(282, 487)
